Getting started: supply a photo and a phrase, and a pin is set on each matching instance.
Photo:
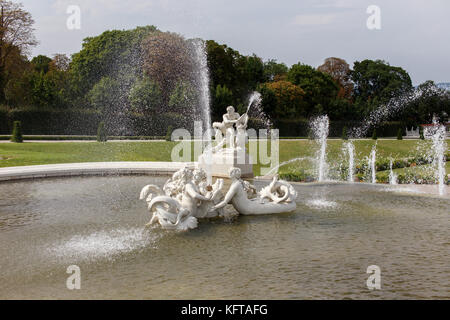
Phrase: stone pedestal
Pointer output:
(221, 162)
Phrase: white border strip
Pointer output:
(91, 168)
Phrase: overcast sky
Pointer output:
(414, 33)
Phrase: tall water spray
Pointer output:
(204, 100)
(439, 146)
(201, 61)
(350, 147)
(392, 176)
(320, 127)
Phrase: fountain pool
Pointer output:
(321, 250)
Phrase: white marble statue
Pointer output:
(279, 196)
(186, 196)
(231, 132)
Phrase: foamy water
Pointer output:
(321, 204)
(104, 244)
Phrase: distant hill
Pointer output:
(444, 85)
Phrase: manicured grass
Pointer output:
(32, 153)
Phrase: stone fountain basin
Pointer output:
(322, 250)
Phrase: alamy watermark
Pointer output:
(374, 280)
(73, 22)
(374, 20)
(74, 280)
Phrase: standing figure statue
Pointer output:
(229, 120)
(241, 133)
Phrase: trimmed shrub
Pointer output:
(345, 133)
(400, 134)
(169, 133)
(374, 134)
(101, 132)
(17, 132)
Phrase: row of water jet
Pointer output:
(393, 180)
(439, 146)
(372, 162)
(349, 147)
(320, 129)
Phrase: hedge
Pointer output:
(301, 127)
(85, 122)
(82, 122)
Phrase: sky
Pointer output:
(414, 34)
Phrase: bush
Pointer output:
(345, 133)
(101, 132)
(169, 133)
(17, 132)
(374, 134)
(400, 134)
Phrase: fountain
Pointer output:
(189, 194)
(202, 79)
(439, 146)
(350, 147)
(186, 197)
(372, 164)
(393, 180)
(320, 127)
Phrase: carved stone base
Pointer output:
(221, 163)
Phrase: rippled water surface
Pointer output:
(320, 251)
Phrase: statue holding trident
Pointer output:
(229, 150)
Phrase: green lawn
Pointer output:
(32, 153)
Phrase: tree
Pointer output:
(183, 98)
(320, 89)
(374, 134)
(274, 70)
(17, 70)
(167, 59)
(431, 101)
(289, 100)
(376, 82)
(229, 68)
(145, 96)
(116, 54)
(103, 96)
(60, 62)
(16, 32)
(223, 97)
(41, 63)
(340, 71)
(254, 70)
